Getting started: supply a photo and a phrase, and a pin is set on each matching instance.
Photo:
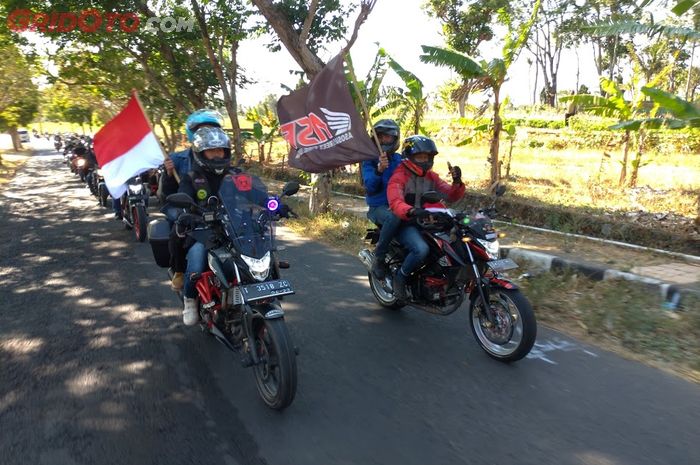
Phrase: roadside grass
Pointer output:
(570, 177)
(615, 315)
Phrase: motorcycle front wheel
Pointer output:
(276, 374)
(138, 214)
(515, 330)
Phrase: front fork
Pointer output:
(482, 287)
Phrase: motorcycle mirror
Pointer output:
(180, 200)
(213, 202)
(431, 197)
(291, 188)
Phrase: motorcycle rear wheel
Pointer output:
(516, 329)
(276, 374)
(138, 215)
(385, 298)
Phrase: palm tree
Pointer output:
(490, 75)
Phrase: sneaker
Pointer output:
(399, 286)
(118, 216)
(379, 268)
(190, 315)
(178, 281)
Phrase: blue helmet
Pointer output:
(200, 117)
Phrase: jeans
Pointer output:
(117, 206)
(382, 215)
(418, 250)
(196, 263)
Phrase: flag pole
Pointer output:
(135, 93)
(363, 104)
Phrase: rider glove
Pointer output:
(418, 213)
(456, 172)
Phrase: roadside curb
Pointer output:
(671, 293)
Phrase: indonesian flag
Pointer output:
(126, 146)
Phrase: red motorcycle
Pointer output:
(463, 264)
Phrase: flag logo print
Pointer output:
(338, 121)
(321, 124)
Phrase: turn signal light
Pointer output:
(501, 235)
(466, 239)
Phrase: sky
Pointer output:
(401, 27)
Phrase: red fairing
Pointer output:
(503, 283)
(206, 289)
(481, 253)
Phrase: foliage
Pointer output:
(370, 88)
(408, 104)
(19, 96)
(684, 113)
(327, 27)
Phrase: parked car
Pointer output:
(23, 135)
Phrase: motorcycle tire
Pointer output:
(506, 343)
(385, 298)
(276, 383)
(102, 196)
(140, 222)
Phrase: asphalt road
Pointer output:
(96, 367)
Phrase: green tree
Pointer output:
(19, 96)
(408, 104)
(465, 26)
(491, 75)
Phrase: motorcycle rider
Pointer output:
(409, 182)
(211, 157)
(181, 163)
(376, 175)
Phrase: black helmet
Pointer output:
(388, 126)
(206, 138)
(419, 144)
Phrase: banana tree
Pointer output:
(613, 105)
(369, 89)
(683, 114)
(490, 75)
(265, 128)
(408, 104)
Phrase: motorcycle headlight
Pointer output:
(258, 267)
(99, 172)
(492, 248)
(80, 163)
(135, 188)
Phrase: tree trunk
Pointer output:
(623, 170)
(168, 139)
(219, 72)
(16, 143)
(510, 157)
(690, 72)
(534, 90)
(636, 163)
(320, 199)
(495, 138)
(233, 71)
(462, 103)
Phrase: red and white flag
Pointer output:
(126, 146)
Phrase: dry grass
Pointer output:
(9, 164)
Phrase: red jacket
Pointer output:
(404, 186)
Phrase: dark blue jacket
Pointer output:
(376, 183)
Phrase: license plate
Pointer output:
(253, 292)
(503, 264)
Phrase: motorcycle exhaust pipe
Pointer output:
(367, 258)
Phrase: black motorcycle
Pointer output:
(134, 204)
(463, 263)
(239, 295)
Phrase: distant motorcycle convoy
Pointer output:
(240, 294)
